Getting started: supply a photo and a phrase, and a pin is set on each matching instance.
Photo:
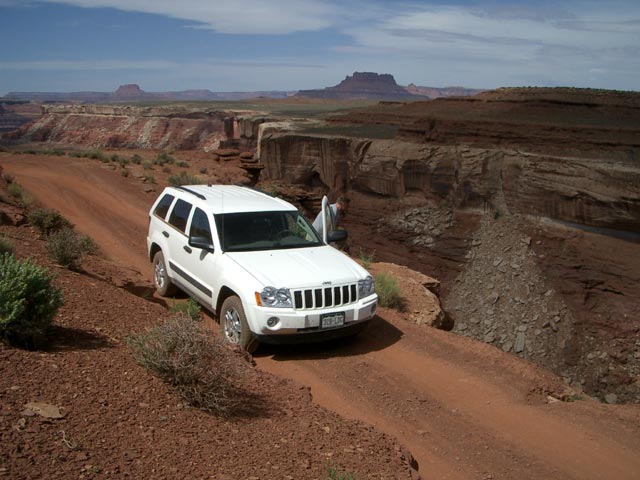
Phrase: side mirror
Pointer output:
(202, 243)
(338, 235)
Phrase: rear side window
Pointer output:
(180, 215)
(200, 226)
(163, 206)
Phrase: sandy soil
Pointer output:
(464, 409)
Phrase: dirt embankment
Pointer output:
(464, 409)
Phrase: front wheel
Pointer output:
(163, 284)
(234, 325)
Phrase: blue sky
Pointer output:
(249, 45)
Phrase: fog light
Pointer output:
(272, 322)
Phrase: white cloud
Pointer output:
(237, 17)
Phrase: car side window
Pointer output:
(200, 226)
(180, 215)
(163, 206)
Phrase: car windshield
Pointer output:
(251, 231)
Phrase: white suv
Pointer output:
(258, 264)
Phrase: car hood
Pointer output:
(299, 268)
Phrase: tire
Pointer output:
(161, 279)
(234, 325)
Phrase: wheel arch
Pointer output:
(225, 292)
(155, 248)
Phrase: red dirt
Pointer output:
(464, 409)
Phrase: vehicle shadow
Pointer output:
(378, 335)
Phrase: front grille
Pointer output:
(325, 297)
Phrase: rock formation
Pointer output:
(365, 86)
(126, 126)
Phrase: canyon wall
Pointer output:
(126, 126)
(594, 192)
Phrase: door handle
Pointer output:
(165, 233)
(187, 249)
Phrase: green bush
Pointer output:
(15, 190)
(136, 159)
(191, 308)
(47, 221)
(68, 248)
(6, 245)
(182, 164)
(8, 178)
(146, 165)
(388, 290)
(164, 158)
(96, 154)
(183, 178)
(366, 258)
(183, 353)
(334, 474)
(28, 301)
(149, 179)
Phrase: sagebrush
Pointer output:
(68, 248)
(191, 308)
(47, 221)
(183, 353)
(28, 301)
(183, 178)
(6, 245)
(389, 292)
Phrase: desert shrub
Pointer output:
(149, 179)
(124, 172)
(191, 308)
(96, 154)
(183, 353)
(182, 164)
(136, 159)
(166, 169)
(54, 151)
(366, 257)
(88, 245)
(68, 248)
(389, 293)
(6, 245)
(146, 165)
(28, 301)
(8, 178)
(123, 161)
(15, 190)
(164, 158)
(47, 221)
(334, 474)
(204, 170)
(183, 178)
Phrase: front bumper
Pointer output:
(293, 322)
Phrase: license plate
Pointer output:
(331, 320)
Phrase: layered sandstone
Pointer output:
(127, 126)
(600, 193)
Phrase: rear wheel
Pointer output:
(234, 325)
(163, 284)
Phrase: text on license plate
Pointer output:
(331, 320)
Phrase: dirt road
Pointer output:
(463, 409)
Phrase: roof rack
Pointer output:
(185, 189)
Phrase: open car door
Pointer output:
(327, 219)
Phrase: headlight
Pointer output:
(275, 297)
(365, 287)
